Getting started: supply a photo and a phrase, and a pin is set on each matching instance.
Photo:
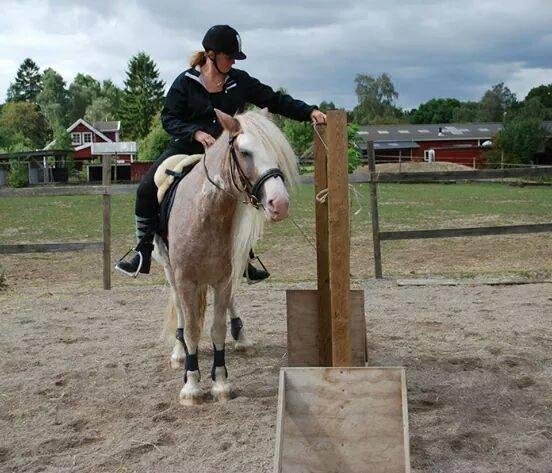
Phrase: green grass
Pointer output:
(35, 219)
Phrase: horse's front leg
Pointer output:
(192, 298)
(241, 342)
(219, 374)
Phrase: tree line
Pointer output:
(40, 106)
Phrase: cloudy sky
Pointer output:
(313, 48)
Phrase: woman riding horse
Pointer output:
(189, 117)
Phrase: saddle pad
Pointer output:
(175, 163)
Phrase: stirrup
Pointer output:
(255, 281)
(121, 270)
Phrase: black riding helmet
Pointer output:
(224, 39)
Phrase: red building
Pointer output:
(449, 142)
(84, 135)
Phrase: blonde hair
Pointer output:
(199, 58)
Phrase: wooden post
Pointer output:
(374, 210)
(339, 237)
(106, 181)
(322, 249)
(400, 159)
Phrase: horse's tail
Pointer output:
(171, 313)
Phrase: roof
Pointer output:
(107, 126)
(93, 129)
(122, 147)
(430, 132)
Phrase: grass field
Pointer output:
(402, 206)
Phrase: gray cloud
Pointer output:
(313, 48)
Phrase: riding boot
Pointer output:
(253, 274)
(141, 261)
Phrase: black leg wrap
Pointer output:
(235, 328)
(180, 338)
(218, 362)
(191, 365)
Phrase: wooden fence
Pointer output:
(374, 178)
(106, 190)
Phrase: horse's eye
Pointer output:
(247, 154)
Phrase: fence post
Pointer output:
(322, 249)
(374, 209)
(106, 182)
(339, 236)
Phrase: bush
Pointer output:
(18, 175)
(155, 142)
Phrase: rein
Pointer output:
(252, 191)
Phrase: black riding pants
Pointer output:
(146, 196)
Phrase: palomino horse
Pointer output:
(217, 216)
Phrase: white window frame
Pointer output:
(76, 139)
(85, 135)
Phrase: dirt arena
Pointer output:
(86, 384)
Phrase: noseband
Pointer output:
(253, 191)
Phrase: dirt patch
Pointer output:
(410, 166)
(86, 384)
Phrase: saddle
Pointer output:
(167, 177)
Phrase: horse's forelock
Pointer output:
(269, 136)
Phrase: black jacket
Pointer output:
(189, 107)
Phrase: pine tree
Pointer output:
(28, 83)
(142, 96)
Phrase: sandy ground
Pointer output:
(85, 383)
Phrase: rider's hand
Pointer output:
(318, 117)
(204, 138)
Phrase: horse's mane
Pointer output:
(249, 222)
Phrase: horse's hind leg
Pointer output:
(241, 342)
(219, 374)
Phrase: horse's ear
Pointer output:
(228, 122)
(265, 112)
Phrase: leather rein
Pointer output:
(253, 191)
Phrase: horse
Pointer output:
(218, 215)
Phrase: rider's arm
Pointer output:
(262, 95)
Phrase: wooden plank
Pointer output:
(53, 191)
(351, 420)
(279, 426)
(302, 327)
(51, 247)
(470, 282)
(339, 238)
(464, 232)
(322, 249)
(374, 212)
(106, 181)
(463, 175)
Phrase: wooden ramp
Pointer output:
(342, 420)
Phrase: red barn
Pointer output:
(455, 143)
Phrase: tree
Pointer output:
(53, 100)
(435, 111)
(82, 92)
(495, 103)
(467, 112)
(375, 100)
(325, 106)
(27, 83)
(22, 122)
(155, 142)
(114, 94)
(142, 96)
(543, 93)
(101, 109)
(523, 134)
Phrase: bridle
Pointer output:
(253, 191)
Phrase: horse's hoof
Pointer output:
(177, 363)
(221, 392)
(190, 397)
(244, 346)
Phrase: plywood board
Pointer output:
(337, 420)
(303, 346)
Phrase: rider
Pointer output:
(189, 117)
